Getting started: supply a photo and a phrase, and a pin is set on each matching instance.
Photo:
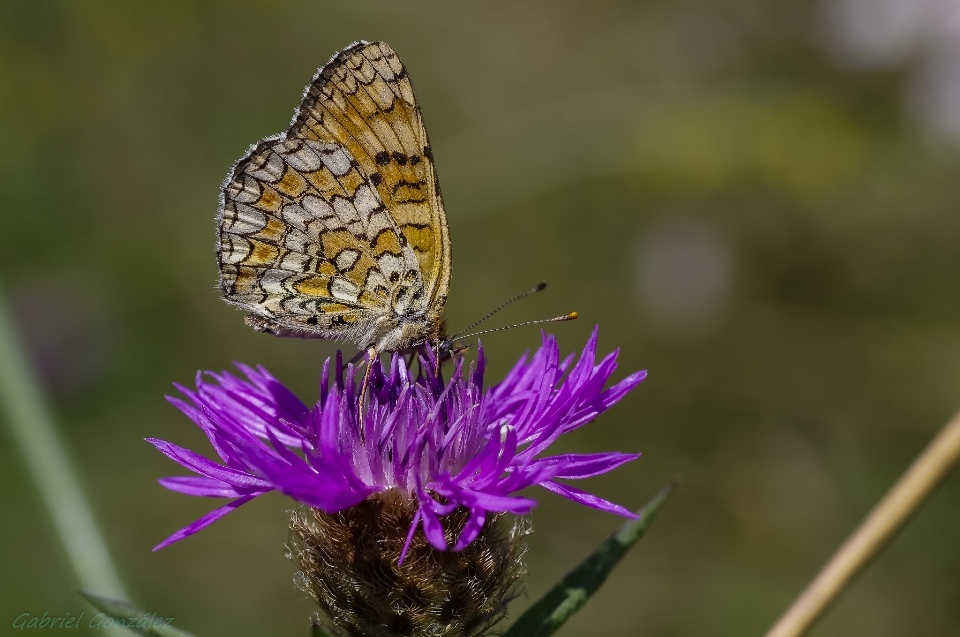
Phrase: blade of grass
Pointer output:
(35, 433)
(563, 600)
(125, 615)
(895, 509)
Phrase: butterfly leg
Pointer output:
(371, 357)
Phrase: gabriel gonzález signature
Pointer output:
(149, 621)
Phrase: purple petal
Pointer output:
(485, 500)
(577, 465)
(587, 499)
(287, 405)
(613, 395)
(424, 435)
(471, 529)
(206, 487)
(203, 466)
(431, 524)
(206, 520)
(413, 529)
(499, 503)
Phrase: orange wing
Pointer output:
(339, 222)
(363, 100)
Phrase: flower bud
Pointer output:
(350, 565)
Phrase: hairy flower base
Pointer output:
(349, 563)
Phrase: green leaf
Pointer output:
(563, 600)
(128, 616)
(316, 630)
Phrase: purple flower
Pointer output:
(444, 445)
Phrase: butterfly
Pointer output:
(335, 228)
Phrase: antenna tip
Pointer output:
(572, 315)
(541, 285)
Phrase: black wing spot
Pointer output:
(400, 158)
(415, 185)
(382, 158)
(415, 160)
(428, 153)
(376, 178)
(312, 320)
(394, 276)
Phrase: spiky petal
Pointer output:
(443, 445)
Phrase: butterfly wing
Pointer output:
(293, 240)
(364, 100)
(338, 223)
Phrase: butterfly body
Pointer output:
(336, 229)
(386, 334)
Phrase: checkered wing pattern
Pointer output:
(336, 228)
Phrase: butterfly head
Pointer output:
(409, 331)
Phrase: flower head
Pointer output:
(440, 447)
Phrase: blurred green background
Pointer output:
(757, 201)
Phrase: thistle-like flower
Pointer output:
(442, 457)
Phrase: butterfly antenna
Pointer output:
(532, 290)
(566, 317)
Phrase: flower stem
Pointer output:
(35, 433)
(896, 507)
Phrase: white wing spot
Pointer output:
(245, 220)
(272, 171)
(317, 207)
(338, 162)
(344, 290)
(346, 259)
(305, 159)
(234, 249)
(345, 210)
(365, 200)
